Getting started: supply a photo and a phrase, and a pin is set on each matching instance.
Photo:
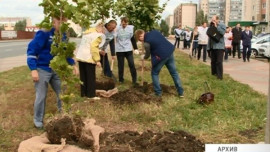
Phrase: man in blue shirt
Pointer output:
(38, 60)
(161, 51)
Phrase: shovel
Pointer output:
(144, 83)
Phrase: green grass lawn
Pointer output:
(238, 114)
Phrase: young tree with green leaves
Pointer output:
(82, 12)
(201, 18)
(164, 28)
(141, 14)
(20, 25)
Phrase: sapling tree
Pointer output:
(82, 12)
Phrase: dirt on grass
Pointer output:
(142, 94)
(149, 141)
(105, 83)
(66, 127)
(250, 133)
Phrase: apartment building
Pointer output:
(169, 21)
(9, 22)
(185, 15)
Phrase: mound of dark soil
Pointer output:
(132, 96)
(149, 89)
(105, 84)
(149, 141)
(64, 127)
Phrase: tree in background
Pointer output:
(71, 32)
(201, 18)
(2, 28)
(141, 14)
(164, 28)
(20, 26)
(172, 30)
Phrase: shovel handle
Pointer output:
(112, 65)
(142, 70)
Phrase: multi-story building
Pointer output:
(9, 22)
(217, 7)
(169, 22)
(235, 12)
(203, 5)
(185, 15)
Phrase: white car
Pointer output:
(264, 49)
(257, 43)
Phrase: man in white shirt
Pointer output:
(178, 31)
(203, 41)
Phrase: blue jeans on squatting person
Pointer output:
(170, 64)
(41, 87)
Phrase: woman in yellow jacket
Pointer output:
(88, 58)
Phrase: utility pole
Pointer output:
(267, 130)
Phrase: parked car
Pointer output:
(257, 43)
(262, 34)
(264, 49)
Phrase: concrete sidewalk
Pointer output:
(254, 73)
(11, 62)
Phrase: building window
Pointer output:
(253, 18)
(264, 5)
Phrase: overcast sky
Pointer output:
(30, 8)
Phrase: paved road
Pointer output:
(13, 53)
(13, 48)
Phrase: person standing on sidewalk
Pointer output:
(110, 39)
(124, 42)
(202, 41)
(236, 33)
(178, 32)
(246, 42)
(187, 38)
(194, 39)
(228, 43)
(38, 61)
(161, 51)
(217, 48)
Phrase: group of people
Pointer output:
(91, 53)
(228, 44)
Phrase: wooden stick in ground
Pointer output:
(112, 65)
(142, 70)
(191, 47)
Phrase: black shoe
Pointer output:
(248, 60)
(204, 60)
(244, 60)
(135, 84)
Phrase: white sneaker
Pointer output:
(95, 98)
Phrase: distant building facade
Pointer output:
(169, 21)
(9, 22)
(185, 15)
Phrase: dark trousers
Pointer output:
(227, 52)
(121, 63)
(105, 65)
(88, 77)
(246, 52)
(236, 46)
(188, 43)
(177, 42)
(200, 47)
(194, 48)
(217, 63)
(185, 43)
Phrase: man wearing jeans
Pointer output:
(38, 60)
(161, 51)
